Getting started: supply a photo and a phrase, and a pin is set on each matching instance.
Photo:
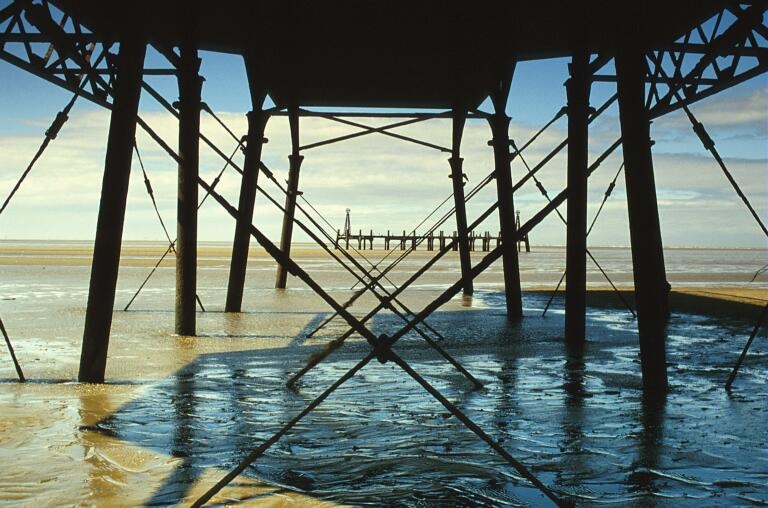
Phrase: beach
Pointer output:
(177, 412)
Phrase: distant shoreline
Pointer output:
(5, 243)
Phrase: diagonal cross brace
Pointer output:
(554, 203)
(382, 345)
(367, 285)
(337, 343)
(382, 351)
(375, 281)
(384, 131)
(447, 295)
(172, 245)
(527, 176)
(365, 130)
(544, 193)
(210, 192)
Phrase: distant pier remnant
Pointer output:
(435, 241)
(348, 232)
(525, 241)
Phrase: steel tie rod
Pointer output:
(552, 153)
(434, 227)
(544, 193)
(709, 145)
(12, 353)
(589, 230)
(559, 199)
(210, 191)
(293, 268)
(317, 357)
(497, 251)
(50, 134)
(404, 255)
(172, 244)
(559, 114)
(370, 286)
(270, 175)
(758, 325)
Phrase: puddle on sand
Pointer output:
(575, 418)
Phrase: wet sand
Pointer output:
(178, 411)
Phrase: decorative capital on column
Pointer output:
(456, 163)
(295, 161)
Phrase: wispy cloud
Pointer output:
(388, 183)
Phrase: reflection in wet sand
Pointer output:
(650, 443)
(575, 456)
(180, 411)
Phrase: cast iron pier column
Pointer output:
(190, 84)
(499, 123)
(257, 121)
(109, 229)
(457, 176)
(577, 89)
(294, 161)
(645, 231)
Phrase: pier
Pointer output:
(482, 242)
(398, 63)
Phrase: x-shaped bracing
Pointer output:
(381, 345)
(382, 349)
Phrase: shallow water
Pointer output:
(180, 411)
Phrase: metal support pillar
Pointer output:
(651, 289)
(499, 123)
(257, 121)
(294, 161)
(458, 176)
(190, 84)
(577, 89)
(109, 229)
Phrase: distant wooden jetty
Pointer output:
(434, 241)
(366, 241)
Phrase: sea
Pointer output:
(178, 412)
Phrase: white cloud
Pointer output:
(388, 183)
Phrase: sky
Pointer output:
(388, 184)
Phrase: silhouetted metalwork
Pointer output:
(651, 287)
(11, 352)
(577, 90)
(257, 121)
(682, 51)
(743, 355)
(109, 228)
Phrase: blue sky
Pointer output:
(388, 184)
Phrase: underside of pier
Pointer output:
(419, 61)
